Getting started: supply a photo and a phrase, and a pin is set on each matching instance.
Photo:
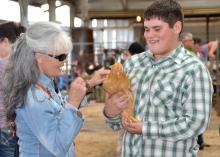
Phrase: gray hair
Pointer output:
(186, 36)
(22, 70)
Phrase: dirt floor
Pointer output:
(97, 140)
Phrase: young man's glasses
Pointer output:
(60, 57)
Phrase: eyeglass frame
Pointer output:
(60, 57)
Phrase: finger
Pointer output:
(104, 73)
(122, 103)
(131, 126)
(123, 119)
(116, 95)
(123, 98)
(107, 96)
(133, 131)
(79, 80)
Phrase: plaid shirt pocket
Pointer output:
(163, 93)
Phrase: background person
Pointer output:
(9, 31)
(46, 123)
(134, 48)
(188, 42)
(204, 53)
(207, 51)
(173, 91)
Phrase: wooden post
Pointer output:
(24, 12)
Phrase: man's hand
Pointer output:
(115, 104)
(134, 128)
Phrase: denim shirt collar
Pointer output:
(46, 81)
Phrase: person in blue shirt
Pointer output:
(46, 123)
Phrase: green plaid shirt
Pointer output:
(173, 98)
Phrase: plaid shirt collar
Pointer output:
(176, 55)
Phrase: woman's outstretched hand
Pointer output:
(98, 77)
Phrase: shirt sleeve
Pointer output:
(84, 102)
(114, 123)
(54, 125)
(196, 106)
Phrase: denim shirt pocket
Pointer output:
(39, 95)
(43, 97)
(57, 108)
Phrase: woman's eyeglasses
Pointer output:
(60, 57)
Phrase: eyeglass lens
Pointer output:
(61, 57)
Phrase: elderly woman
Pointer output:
(46, 123)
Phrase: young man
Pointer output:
(9, 31)
(173, 91)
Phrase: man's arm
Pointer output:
(114, 105)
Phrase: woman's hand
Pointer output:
(77, 92)
(98, 77)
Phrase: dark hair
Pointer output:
(135, 48)
(197, 40)
(11, 30)
(169, 11)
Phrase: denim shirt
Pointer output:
(46, 126)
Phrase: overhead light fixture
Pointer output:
(77, 22)
(105, 23)
(138, 18)
(94, 23)
(58, 3)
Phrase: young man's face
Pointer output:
(160, 38)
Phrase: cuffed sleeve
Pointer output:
(114, 123)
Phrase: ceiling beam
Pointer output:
(130, 14)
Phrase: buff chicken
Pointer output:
(118, 81)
